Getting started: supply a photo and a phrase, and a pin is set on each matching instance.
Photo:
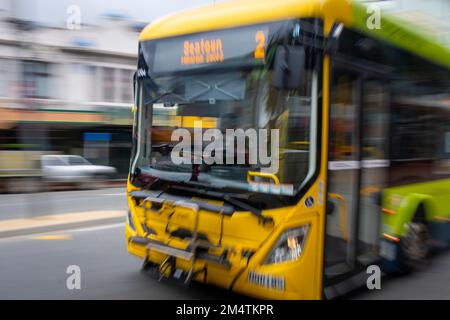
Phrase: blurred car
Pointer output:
(72, 169)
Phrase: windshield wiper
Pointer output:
(199, 188)
(232, 199)
(165, 94)
(163, 148)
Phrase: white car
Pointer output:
(73, 169)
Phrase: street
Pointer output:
(34, 266)
(107, 270)
(14, 206)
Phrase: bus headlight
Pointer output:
(289, 246)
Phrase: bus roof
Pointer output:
(352, 13)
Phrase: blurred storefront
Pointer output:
(57, 85)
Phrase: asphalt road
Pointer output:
(34, 266)
(30, 205)
(431, 283)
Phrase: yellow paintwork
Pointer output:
(239, 13)
(267, 175)
(243, 231)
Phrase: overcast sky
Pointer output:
(54, 12)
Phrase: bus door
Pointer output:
(357, 172)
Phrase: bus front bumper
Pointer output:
(180, 264)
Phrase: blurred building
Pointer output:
(60, 87)
(70, 91)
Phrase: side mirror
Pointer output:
(288, 67)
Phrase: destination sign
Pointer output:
(244, 45)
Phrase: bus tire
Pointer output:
(416, 245)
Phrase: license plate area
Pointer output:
(170, 251)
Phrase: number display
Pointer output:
(243, 46)
(260, 39)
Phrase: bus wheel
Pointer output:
(415, 245)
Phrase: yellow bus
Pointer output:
(359, 106)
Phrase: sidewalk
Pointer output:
(47, 223)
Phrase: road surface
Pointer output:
(14, 206)
(34, 266)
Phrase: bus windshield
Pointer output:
(218, 121)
